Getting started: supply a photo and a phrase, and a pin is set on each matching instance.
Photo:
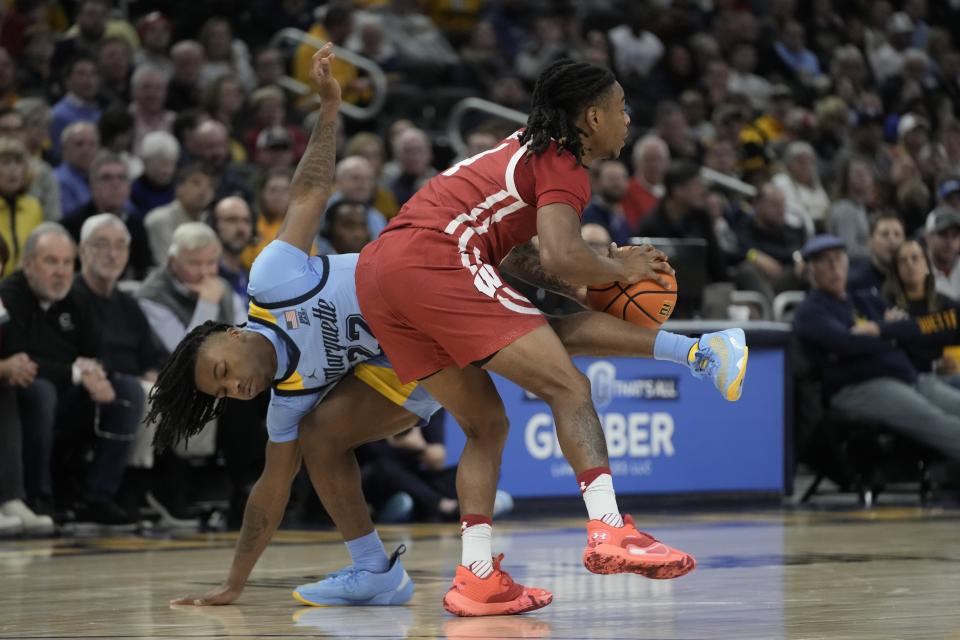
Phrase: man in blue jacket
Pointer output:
(851, 337)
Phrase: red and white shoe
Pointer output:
(627, 550)
(495, 595)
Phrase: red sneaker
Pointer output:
(495, 595)
(627, 550)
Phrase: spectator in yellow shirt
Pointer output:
(19, 211)
(272, 200)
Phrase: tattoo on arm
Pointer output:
(255, 523)
(313, 180)
(315, 170)
(524, 263)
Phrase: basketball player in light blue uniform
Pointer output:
(307, 308)
(304, 338)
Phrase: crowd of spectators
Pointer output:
(147, 149)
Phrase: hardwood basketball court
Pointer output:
(882, 573)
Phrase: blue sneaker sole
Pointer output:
(394, 597)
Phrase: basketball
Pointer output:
(645, 303)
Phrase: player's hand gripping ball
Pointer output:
(645, 303)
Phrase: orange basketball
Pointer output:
(644, 303)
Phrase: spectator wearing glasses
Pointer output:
(110, 193)
(128, 345)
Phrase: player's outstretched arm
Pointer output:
(261, 517)
(313, 181)
(565, 255)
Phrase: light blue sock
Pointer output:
(367, 553)
(672, 347)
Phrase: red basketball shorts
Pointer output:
(432, 306)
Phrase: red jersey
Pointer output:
(488, 203)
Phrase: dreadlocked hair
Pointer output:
(563, 90)
(176, 405)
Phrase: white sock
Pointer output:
(601, 501)
(477, 554)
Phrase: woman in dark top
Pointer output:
(911, 288)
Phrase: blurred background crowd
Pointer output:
(147, 149)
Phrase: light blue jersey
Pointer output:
(307, 308)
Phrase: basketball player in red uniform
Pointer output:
(431, 291)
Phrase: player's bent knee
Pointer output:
(318, 441)
(566, 388)
(493, 428)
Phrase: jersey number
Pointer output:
(355, 325)
(487, 281)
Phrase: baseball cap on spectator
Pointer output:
(943, 218)
(948, 188)
(274, 138)
(900, 22)
(818, 244)
(909, 122)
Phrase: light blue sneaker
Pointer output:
(351, 586)
(721, 357)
